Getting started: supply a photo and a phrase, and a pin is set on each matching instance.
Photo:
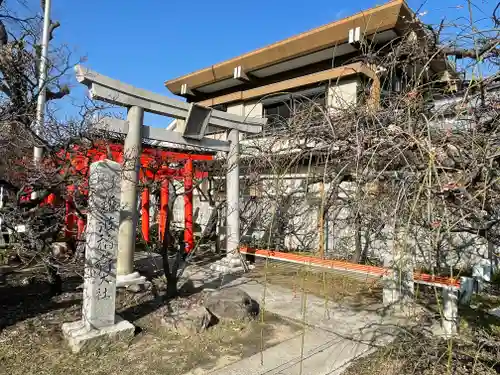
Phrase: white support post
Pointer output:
(391, 292)
(450, 311)
(399, 286)
(128, 200)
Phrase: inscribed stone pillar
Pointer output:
(99, 287)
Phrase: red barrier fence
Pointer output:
(346, 266)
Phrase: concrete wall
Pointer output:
(343, 94)
(284, 216)
(253, 109)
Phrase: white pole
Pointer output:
(42, 81)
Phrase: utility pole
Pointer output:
(42, 80)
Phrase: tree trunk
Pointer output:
(55, 280)
(171, 250)
(492, 258)
(364, 252)
(170, 267)
(358, 250)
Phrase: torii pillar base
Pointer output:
(230, 264)
(134, 278)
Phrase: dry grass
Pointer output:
(326, 284)
(476, 351)
(416, 350)
(427, 355)
(31, 341)
(382, 362)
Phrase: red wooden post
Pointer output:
(163, 207)
(188, 206)
(70, 214)
(145, 214)
(51, 199)
(80, 219)
(80, 224)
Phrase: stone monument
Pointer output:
(99, 321)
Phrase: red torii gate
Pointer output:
(153, 168)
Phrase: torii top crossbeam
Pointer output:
(118, 93)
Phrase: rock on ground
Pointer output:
(190, 321)
(231, 303)
(195, 316)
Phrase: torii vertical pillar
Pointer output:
(145, 214)
(70, 212)
(163, 208)
(232, 193)
(233, 261)
(128, 200)
(188, 206)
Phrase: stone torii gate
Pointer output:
(198, 119)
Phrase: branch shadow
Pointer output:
(21, 302)
(160, 300)
(479, 319)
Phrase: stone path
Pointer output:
(324, 353)
(334, 334)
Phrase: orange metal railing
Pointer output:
(345, 266)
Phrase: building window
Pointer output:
(279, 110)
(220, 107)
(278, 114)
(393, 83)
(309, 102)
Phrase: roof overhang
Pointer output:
(379, 24)
(334, 74)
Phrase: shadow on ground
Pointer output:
(19, 302)
(146, 306)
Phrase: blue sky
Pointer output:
(147, 42)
